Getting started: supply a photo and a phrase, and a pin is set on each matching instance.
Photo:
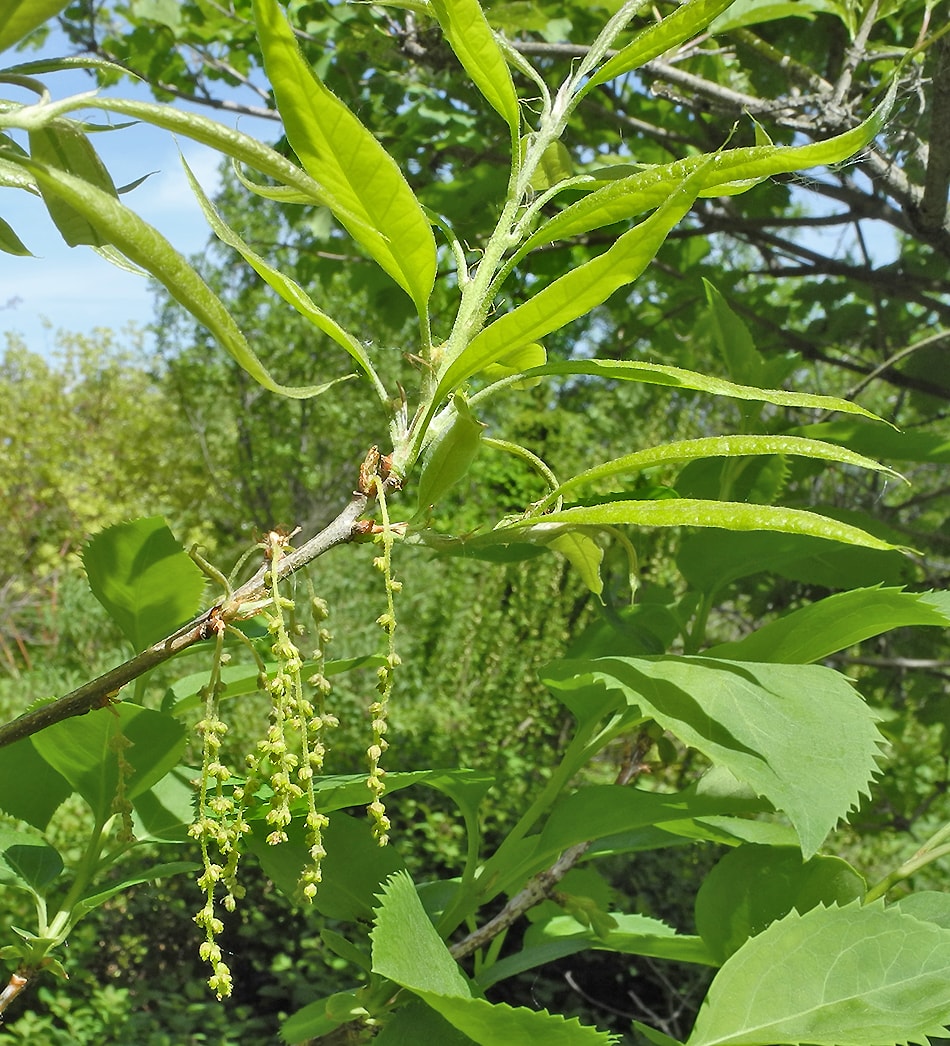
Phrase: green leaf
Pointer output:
(744, 362)
(288, 289)
(62, 145)
(427, 969)
(836, 623)
(358, 175)
(627, 197)
(416, 1023)
(146, 247)
(676, 377)
(165, 812)
(353, 869)
(321, 1017)
(880, 442)
(452, 442)
(148, 584)
(714, 446)
(753, 886)
(690, 512)
(471, 38)
(832, 977)
(763, 723)
(23, 16)
(561, 936)
(10, 243)
(584, 555)
(150, 875)
(83, 750)
(686, 21)
(570, 296)
(35, 864)
(30, 789)
(711, 559)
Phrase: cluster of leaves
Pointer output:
(759, 709)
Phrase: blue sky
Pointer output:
(72, 288)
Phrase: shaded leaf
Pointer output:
(145, 580)
(753, 886)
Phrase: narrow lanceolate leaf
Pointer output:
(146, 247)
(833, 977)
(714, 446)
(836, 623)
(627, 197)
(685, 22)
(288, 289)
(62, 145)
(799, 736)
(573, 295)
(693, 512)
(677, 378)
(10, 243)
(471, 38)
(359, 176)
(23, 16)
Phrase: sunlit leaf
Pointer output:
(22, 16)
(832, 977)
(358, 175)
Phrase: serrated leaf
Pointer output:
(836, 623)
(144, 578)
(763, 723)
(471, 38)
(427, 966)
(833, 977)
(428, 970)
(356, 172)
(83, 750)
(753, 886)
(23, 16)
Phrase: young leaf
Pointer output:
(34, 864)
(471, 38)
(62, 145)
(23, 16)
(288, 289)
(714, 446)
(146, 247)
(83, 750)
(798, 735)
(10, 243)
(690, 512)
(836, 623)
(753, 886)
(359, 176)
(676, 377)
(570, 296)
(144, 579)
(686, 21)
(832, 977)
(628, 197)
